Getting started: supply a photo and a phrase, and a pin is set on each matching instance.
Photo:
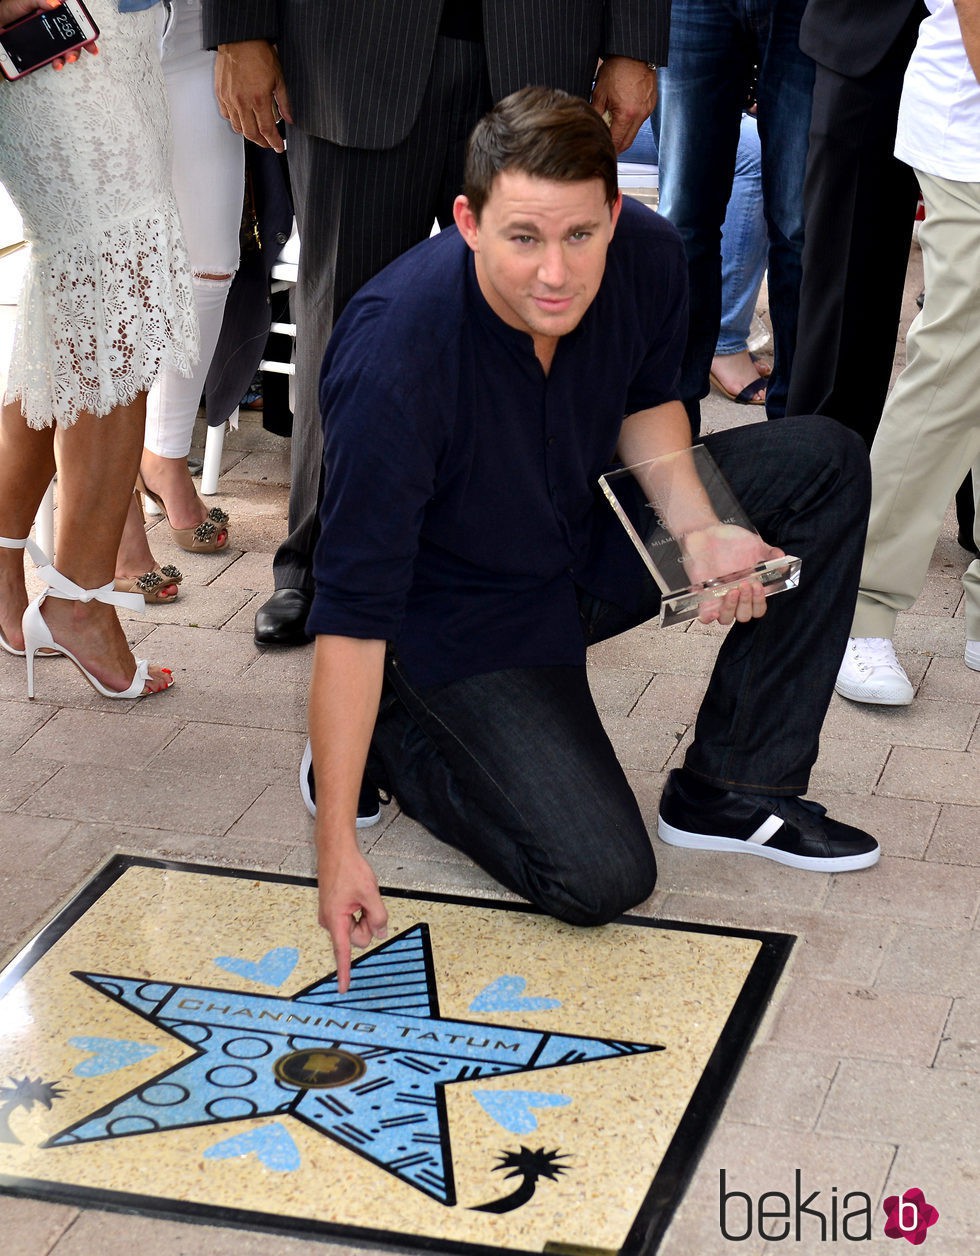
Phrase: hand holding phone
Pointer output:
(13, 10)
(49, 34)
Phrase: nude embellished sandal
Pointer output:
(207, 538)
(151, 584)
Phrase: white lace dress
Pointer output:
(85, 155)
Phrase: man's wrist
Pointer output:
(335, 840)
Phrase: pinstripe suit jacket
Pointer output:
(356, 70)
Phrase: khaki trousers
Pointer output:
(929, 435)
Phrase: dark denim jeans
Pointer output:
(514, 767)
(714, 47)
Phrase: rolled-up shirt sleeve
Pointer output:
(382, 442)
(662, 321)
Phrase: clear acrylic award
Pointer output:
(691, 522)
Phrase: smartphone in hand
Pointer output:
(43, 37)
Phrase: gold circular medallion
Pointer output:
(319, 1069)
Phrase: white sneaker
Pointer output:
(972, 656)
(871, 672)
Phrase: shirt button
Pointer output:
(551, 440)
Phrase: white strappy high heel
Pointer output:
(37, 634)
(41, 560)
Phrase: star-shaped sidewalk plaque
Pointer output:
(366, 1068)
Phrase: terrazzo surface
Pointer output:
(175, 1045)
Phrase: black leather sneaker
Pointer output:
(791, 831)
(368, 804)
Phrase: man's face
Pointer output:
(540, 249)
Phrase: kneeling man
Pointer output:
(472, 395)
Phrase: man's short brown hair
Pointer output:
(540, 132)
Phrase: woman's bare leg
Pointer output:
(97, 463)
(171, 479)
(26, 468)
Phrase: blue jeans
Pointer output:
(714, 45)
(514, 767)
(744, 242)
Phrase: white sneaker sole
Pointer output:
(874, 697)
(363, 822)
(735, 845)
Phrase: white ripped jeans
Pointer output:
(209, 182)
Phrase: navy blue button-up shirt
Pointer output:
(461, 514)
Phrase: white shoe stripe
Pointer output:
(766, 830)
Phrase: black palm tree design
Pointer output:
(530, 1166)
(24, 1093)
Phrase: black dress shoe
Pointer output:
(282, 620)
(964, 516)
(965, 541)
